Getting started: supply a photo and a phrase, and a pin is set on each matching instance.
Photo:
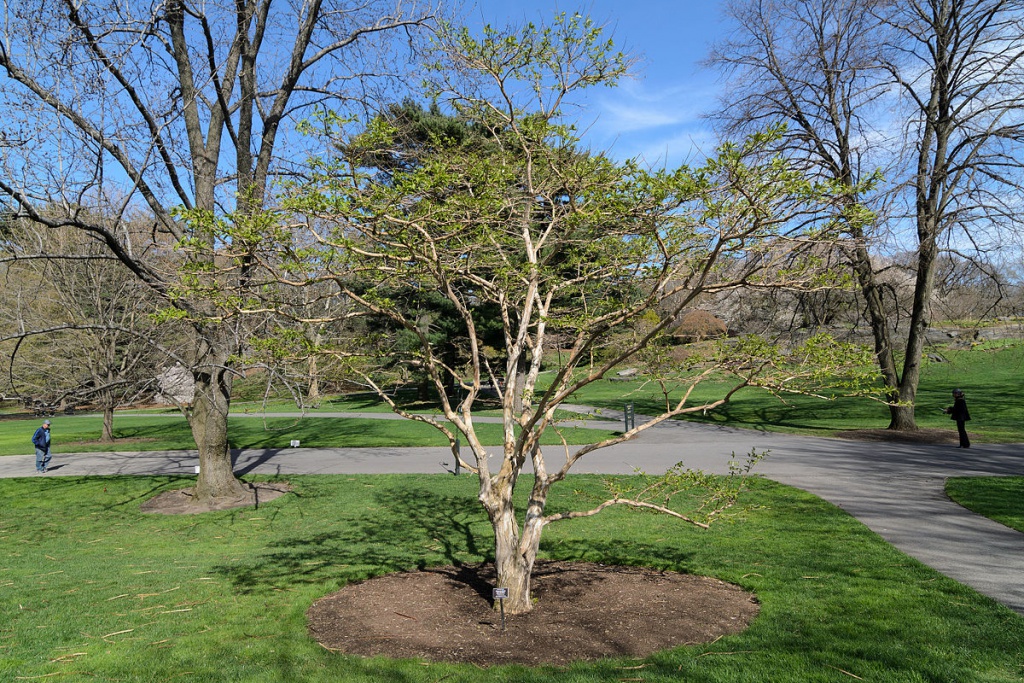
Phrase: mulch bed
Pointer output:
(182, 501)
(926, 436)
(583, 611)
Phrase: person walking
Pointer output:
(41, 440)
(958, 412)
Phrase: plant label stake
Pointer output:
(500, 594)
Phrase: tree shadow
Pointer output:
(620, 552)
(403, 530)
(252, 463)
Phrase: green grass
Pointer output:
(998, 498)
(93, 590)
(171, 432)
(988, 374)
(369, 403)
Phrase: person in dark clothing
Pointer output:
(958, 412)
(41, 440)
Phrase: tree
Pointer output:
(921, 93)
(180, 108)
(82, 324)
(554, 242)
(966, 289)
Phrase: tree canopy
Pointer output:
(571, 254)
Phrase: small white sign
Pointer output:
(197, 469)
(500, 593)
(295, 443)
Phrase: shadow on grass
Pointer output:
(405, 529)
(622, 552)
(89, 495)
(277, 432)
(166, 430)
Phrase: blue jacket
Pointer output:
(40, 441)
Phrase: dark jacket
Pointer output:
(959, 410)
(39, 440)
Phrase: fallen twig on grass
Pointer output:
(63, 658)
(55, 673)
(117, 633)
(844, 672)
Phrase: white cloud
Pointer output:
(688, 146)
(657, 123)
(630, 116)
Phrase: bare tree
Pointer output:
(520, 226)
(83, 325)
(866, 86)
(180, 108)
(960, 69)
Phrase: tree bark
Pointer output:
(901, 416)
(108, 424)
(208, 419)
(515, 550)
(513, 567)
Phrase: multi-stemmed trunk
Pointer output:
(515, 547)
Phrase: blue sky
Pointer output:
(657, 114)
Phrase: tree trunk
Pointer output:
(108, 424)
(522, 367)
(515, 553)
(208, 419)
(901, 417)
(313, 387)
(514, 569)
(903, 414)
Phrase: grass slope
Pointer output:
(170, 432)
(989, 375)
(93, 590)
(998, 498)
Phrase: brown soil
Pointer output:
(583, 612)
(182, 501)
(928, 436)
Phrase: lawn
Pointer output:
(135, 432)
(998, 498)
(988, 374)
(91, 589)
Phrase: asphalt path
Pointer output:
(896, 489)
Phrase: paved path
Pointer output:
(896, 489)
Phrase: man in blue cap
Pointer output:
(41, 440)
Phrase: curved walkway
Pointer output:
(896, 489)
